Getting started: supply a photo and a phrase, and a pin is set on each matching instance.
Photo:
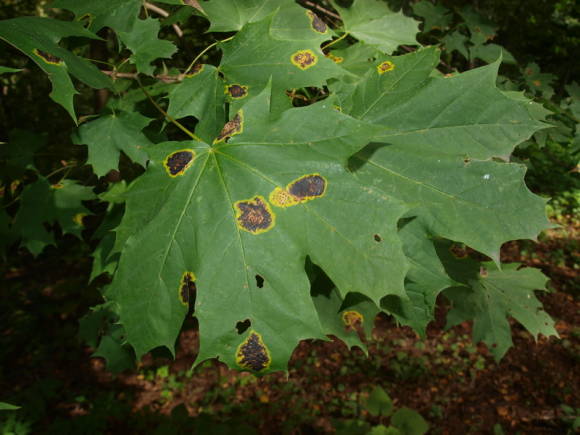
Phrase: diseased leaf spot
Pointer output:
(308, 187)
(352, 319)
(259, 281)
(304, 59)
(385, 66)
(186, 287)
(377, 238)
(281, 198)
(254, 215)
(47, 57)
(316, 23)
(335, 59)
(195, 70)
(303, 189)
(243, 326)
(178, 162)
(237, 91)
(233, 127)
(57, 186)
(252, 353)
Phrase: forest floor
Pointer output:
(452, 382)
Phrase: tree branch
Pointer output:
(164, 14)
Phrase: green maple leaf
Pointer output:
(231, 15)
(496, 295)
(202, 95)
(146, 47)
(372, 22)
(436, 16)
(456, 41)
(119, 15)
(38, 38)
(110, 135)
(43, 203)
(239, 220)
(434, 130)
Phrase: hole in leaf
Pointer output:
(259, 281)
(378, 238)
(243, 326)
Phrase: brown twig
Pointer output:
(165, 14)
(163, 77)
(321, 9)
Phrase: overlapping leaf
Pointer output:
(372, 22)
(38, 38)
(43, 203)
(120, 15)
(496, 294)
(217, 223)
(107, 136)
(201, 95)
(142, 40)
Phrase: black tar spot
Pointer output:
(48, 57)
(253, 354)
(232, 127)
(317, 23)
(255, 216)
(377, 238)
(178, 161)
(237, 91)
(187, 288)
(307, 187)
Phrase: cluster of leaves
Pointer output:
(301, 185)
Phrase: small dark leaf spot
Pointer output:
(254, 215)
(259, 281)
(233, 127)
(178, 162)
(252, 353)
(243, 326)
(308, 187)
(385, 66)
(304, 59)
(237, 91)
(195, 70)
(47, 57)
(466, 160)
(187, 287)
(317, 24)
(377, 238)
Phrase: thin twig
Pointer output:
(164, 14)
(163, 77)
(321, 9)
